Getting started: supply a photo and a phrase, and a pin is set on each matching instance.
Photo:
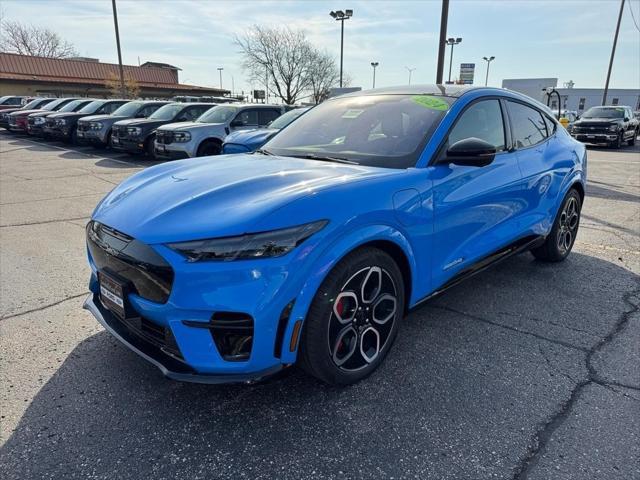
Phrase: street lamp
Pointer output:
(410, 70)
(220, 70)
(452, 41)
(374, 65)
(488, 60)
(340, 16)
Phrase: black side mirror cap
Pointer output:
(472, 152)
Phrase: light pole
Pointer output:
(374, 65)
(410, 70)
(488, 60)
(452, 41)
(220, 71)
(115, 22)
(613, 53)
(341, 16)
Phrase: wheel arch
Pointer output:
(384, 237)
(209, 139)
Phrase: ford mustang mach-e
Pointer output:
(313, 248)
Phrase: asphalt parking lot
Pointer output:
(528, 370)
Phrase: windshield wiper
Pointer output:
(262, 151)
(324, 158)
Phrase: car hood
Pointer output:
(597, 121)
(251, 137)
(70, 115)
(27, 112)
(103, 117)
(42, 114)
(218, 196)
(143, 122)
(191, 126)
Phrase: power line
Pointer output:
(633, 16)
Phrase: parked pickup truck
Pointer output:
(33, 105)
(206, 135)
(18, 120)
(36, 121)
(137, 135)
(96, 129)
(64, 125)
(612, 125)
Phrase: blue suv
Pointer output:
(312, 249)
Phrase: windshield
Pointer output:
(167, 112)
(128, 109)
(71, 106)
(4, 99)
(91, 107)
(376, 130)
(284, 120)
(55, 105)
(219, 114)
(604, 112)
(38, 102)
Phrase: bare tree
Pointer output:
(281, 55)
(32, 40)
(323, 74)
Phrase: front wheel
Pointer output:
(151, 149)
(208, 148)
(617, 143)
(632, 141)
(560, 240)
(354, 318)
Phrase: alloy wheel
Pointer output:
(569, 219)
(362, 318)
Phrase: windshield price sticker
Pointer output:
(431, 102)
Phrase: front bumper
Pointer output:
(175, 150)
(129, 145)
(595, 137)
(170, 366)
(94, 137)
(35, 130)
(163, 153)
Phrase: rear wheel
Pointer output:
(560, 240)
(209, 147)
(354, 318)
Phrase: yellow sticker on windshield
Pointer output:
(352, 113)
(429, 101)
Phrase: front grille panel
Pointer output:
(151, 277)
(152, 333)
(83, 127)
(31, 121)
(164, 137)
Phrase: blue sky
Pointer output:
(570, 40)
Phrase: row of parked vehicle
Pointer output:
(161, 129)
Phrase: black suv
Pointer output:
(137, 135)
(612, 125)
(63, 125)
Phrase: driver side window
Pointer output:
(481, 120)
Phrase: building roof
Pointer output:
(31, 68)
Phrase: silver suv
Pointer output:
(206, 135)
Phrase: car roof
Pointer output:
(429, 89)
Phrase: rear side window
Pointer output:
(481, 120)
(551, 126)
(528, 126)
(109, 108)
(149, 109)
(265, 116)
(247, 117)
(193, 113)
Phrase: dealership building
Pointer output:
(576, 99)
(87, 77)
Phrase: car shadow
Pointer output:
(471, 376)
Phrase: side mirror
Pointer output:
(472, 152)
(626, 119)
(237, 123)
(140, 115)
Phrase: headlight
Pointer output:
(38, 120)
(256, 245)
(95, 126)
(135, 131)
(613, 128)
(61, 121)
(181, 136)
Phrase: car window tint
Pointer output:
(109, 108)
(247, 117)
(194, 112)
(149, 109)
(551, 126)
(481, 120)
(265, 116)
(528, 125)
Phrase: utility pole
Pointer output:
(488, 60)
(443, 37)
(341, 16)
(220, 71)
(374, 65)
(115, 22)
(613, 52)
(452, 42)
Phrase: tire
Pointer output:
(632, 141)
(342, 348)
(560, 240)
(73, 137)
(618, 142)
(150, 148)
(208, 148)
